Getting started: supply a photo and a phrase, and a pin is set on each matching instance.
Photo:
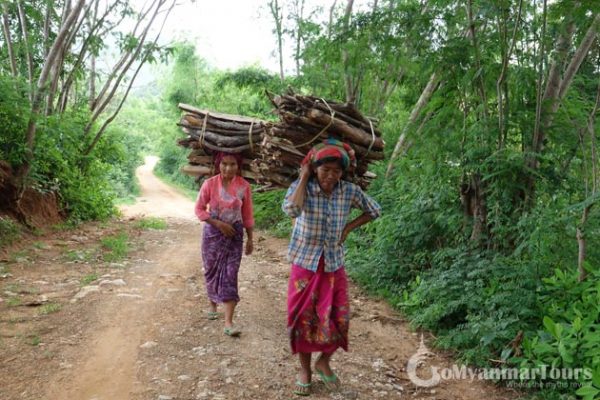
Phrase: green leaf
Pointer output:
(566, 356)
(587, 391)
(550, 326)
(596, 377)
(505, 354)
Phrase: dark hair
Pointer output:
(326, 160)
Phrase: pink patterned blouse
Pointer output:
(232, 204)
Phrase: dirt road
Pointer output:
(135, 328)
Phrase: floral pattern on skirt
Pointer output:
(318, 309)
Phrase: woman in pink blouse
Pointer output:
(225, 205)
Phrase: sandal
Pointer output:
(212, 315)
(302, 389)
(232, 331)
(331, 382)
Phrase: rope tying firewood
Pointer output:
(332, 113)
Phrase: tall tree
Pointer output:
(62, 35)
(39, 90)
(351, 87)
(277, 13)
(142, 54)
(8, 40)
(557, 86)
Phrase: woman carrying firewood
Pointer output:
(318, 307)
(225, 205)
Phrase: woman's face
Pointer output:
(328, 175)
(228, 167)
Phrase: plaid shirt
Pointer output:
(320, 223)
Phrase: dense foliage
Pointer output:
(492, 193)
(86, 186)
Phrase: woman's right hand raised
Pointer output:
(305, 171)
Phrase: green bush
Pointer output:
(569, 337)
(268, 214)
(9, 231)
(477, 297)
(14, 113)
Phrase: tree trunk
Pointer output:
(350, 95)
(57, 72)
(26, 46)
(540, 78)
(25, 166)
(8, 39)
(122, 61)
(330, 24)
(46, 33)
(94, 24)
(92, 77)
(475, 206)
(579, 56)
(132, 80)
(92, 82)
(473, 35)
(278, 18)
(414, 114)
(556, 89)
(502, 78)
(99, 108)
(299, 32)
(550, 97)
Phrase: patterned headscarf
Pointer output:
(331, 150)
(218, 157)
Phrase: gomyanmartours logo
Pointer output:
(432, 376)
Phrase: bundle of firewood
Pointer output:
(308, 120)
(273, 151)
(209, 132)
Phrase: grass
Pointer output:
(129, 200)
(17, 288)
(89, 278)
(13, 302)
(65, 226)
(21, 256)
(49, 308)
(40, 245)
(115, 247)
(151, 223)
(48, 354)
(4, 268)
(35, 340)
(283, 229)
